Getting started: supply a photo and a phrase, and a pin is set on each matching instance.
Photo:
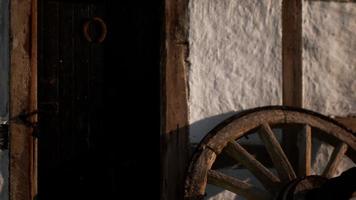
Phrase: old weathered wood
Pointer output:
(335, 159)
(280, 160)
(33, 99)
(174, 112)
(292, 69)
(305, 150)
(249, 121)
(349, 122)
(237, 186)
(292, 52)
(237, 152)
(238, 125)
(197, 178)
(21, 144)
(257, 151)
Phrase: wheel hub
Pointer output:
(298, 188)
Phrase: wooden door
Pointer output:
(91, 96)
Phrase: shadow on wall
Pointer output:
(199, 129)
(176, 152)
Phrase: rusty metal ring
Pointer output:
(103, 27)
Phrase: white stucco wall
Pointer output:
(235, 56)
(329, 66)
(329, 61)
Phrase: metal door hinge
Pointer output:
(4, 135)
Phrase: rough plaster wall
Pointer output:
(235, 55)
(329, 62)
(329, 65)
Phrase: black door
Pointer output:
(94, 97)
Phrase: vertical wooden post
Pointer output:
(33, 98)
(292, 69)
(174, 110)
(21, 89)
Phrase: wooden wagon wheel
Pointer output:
(225, 138)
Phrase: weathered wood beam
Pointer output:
(21, 90)
(33, 99)
(305, 151)
(174, 109)
(292, 52)
(292, 70)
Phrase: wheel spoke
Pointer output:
(279, 158)
(305, 148)
(238, 153)
(237, 186)
(335, 160)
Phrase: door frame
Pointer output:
(23, 99)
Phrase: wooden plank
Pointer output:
(48, 93)
(174, 110)
(279, 159)
(66, 79)
(48, 85)
(335, 159)
(292, 52)
(292, 69)
(20, 91)
(238, 153)
(237, 186)
(80, 75)
(33, 100)
(305, 150)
